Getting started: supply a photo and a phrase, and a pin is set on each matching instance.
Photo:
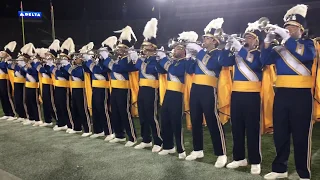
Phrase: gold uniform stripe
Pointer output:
(19, 80)
(4, 76)
(175, 86)
(46, 80)
(246, 86)
(60, 83)
(294, 81)
(149, 83)
(202, 79)
(100, 84)
(120, 84)
(77, 84)
(32, 84)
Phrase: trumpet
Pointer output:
(219, 33)
(173, 42)
(263, 25)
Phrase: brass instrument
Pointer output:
(263, 25)
(173, 42)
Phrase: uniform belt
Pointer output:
(32, 84)
(294, 81)
(77, 84)
(149, 83)
(246, 86)
(46, 80)
(175, 86)
(3, 76)
(19, 80)
(120, 84)
(60, 83)
(206, 80)
(100, 83)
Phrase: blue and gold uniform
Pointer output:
(49, 108)
(172, 107)
(32, 93)
(6, 91)
(292, 110)
(148, 100)
(100, 98)
(62, 97)
(19, 91)
(245, 102)
(293, 102)
(203, 100)
(120, 97)
(80, 112)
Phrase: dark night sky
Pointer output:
(74, 9)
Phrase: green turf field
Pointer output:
(40, 153)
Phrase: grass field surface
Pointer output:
(40, 153)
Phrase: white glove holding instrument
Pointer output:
(87, 57)
(49, 63)
(194, 46)
(269, 38)
(161, 54)
(235, 44)
(133, 55)
(64, 62)
(284, 33)
(104, 53)
(21, 63)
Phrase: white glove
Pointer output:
(194, 46)
(64, 62)
(228, 45)
(104, 53)
(161, 54)
(269, 38)
(284, 33)
(87, 57)
(49, 63)
(236, 44)
(188, 54)
(133, 55)
(21, 63)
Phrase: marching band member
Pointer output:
(148, 90)
(80, 112)
(46, 85)
(19, 87)
(292, 110)
(203, 95)
(32, 87)
(121, 117)
(245, 98)
(172, 107)
(5, 85)
(100, 93)
(61, 91)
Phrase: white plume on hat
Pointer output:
(43, 52)
(189, 36)
(28, 49)
(87, 47)
(151, 28)
(253, 26)
(55, 45)
(68, 45)
(11, 46)
(300, 9)
(126, 34)
(214, 24)
(110, 41)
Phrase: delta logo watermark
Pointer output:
(30, 14)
